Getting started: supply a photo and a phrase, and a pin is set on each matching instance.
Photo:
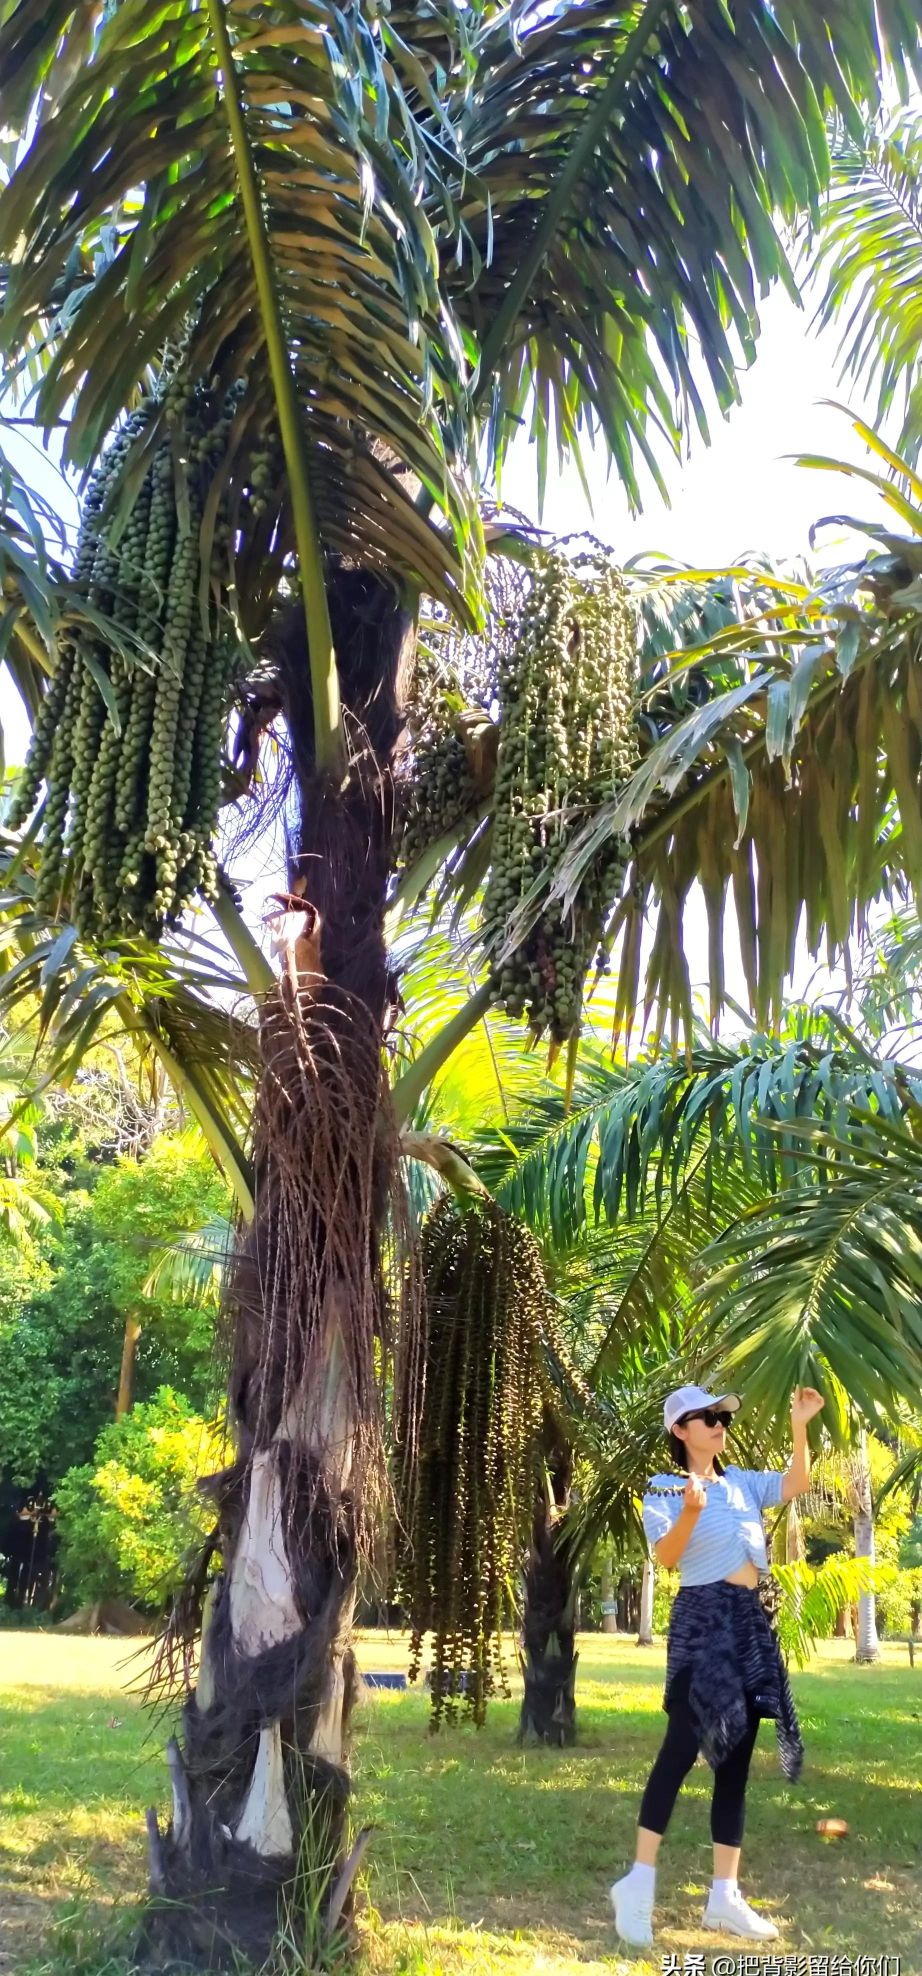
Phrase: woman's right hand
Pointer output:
(695, 1497)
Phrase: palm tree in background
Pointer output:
(396, 237)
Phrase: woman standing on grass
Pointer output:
(724, 1669)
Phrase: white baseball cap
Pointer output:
(693, 1399)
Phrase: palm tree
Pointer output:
(368, 246)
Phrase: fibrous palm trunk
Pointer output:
(548, 1656)
(261, 1785)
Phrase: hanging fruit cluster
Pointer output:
(466, 1524)
(128, 740)
(566, 744)
(555, 669)
(457, 674)
(443, 793)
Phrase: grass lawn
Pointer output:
(485, 1859)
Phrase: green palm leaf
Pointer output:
(869, 253)
(32, 587)
(651, 264)
(821, 1284)
(635, 1137)
(792, 791)
(191, 1271)
(122, 231)
(813, 1596)
(172, 1000)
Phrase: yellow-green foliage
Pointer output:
(129, 1519)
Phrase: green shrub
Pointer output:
(129, 1518)
(897, 1601)
(665, 1587)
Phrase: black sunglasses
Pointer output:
(710, 1416)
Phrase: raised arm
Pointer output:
(796, 1480)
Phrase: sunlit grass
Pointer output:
(485, 1859)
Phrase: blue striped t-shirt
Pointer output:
(729, 1529)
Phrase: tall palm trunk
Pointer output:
(609, 1608)
(261, 1787)
(867, 1644)
(647, 1587)
(548, 1655)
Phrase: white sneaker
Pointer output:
(732, 1913)
(633, 1907)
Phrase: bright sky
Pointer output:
(744, 493)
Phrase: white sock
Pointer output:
(645, 1876)
(723, 1887)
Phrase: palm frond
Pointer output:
(619, 1458)
(486, 1075)
(123, 239)
(32, 542)
(647, 292)
(908, 1470)
(868, 250)
(812, 1596)
(792, 791)
(191, 1271)
(26, 1205)
(822, 1284)
(634, 1135)
(177, 1002)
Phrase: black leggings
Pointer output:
(678, 1753)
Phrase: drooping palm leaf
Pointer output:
(191, 1271)
(651, 266)
(869, 253)
(177, 1002)
(122, 232)
(812, 1596)
(793, 791)
(32, 541)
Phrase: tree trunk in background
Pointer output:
(841, 1632)
(647, 1587)
(126, 1371)
(793, 1536)
(610, 1616)
(261, 1787)
(867, 1645)
(624, 1603)
(794, 1547)
(548, 1654)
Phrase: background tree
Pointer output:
(129, 1518)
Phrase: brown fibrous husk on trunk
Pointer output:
(322, 1288)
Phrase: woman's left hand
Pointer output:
(806, 1402)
